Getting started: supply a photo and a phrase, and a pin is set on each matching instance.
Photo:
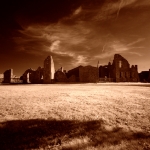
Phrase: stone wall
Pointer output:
(119, 70)
(8, 74)
(74, 72)
(33, 76)
(60, 76)
(106, 71)
(88, 74)
(49, 70)
(122, 71)
(149, 76)
(1, 78)
(144, 76)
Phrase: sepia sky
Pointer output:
(74, 32)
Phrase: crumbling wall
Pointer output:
(49, 70)
(38, 74)
(73, 78)
(74, 71)
(33, 76)
(122, 71)
(149, 76)
(144, 76)
(1, 78)
(60, 76)
(8, 74)
(88, 74)
(73, 74)
(106, 71)
(28, 76)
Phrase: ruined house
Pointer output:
(73, 74)
(41, 75)
(33, 76)
(8, 74)
(83, 74)
(9, 77)
(88, 74)
(1, 78)
(119, 70)
(49, 70)
(144, 76)
(60, 76)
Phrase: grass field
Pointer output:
(75, 116)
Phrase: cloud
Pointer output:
(81, 60)
(77, 11)
(135, 42)
(111, 10)
(83, 36)
(55, 46)
(135, 53)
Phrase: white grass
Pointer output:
(126, 106)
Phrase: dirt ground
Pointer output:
(75, 116)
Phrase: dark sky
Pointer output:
(74, 32)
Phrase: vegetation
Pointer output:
(75, 116)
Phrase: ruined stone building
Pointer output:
(144, 76)
(41, 75)
(88, 74)
(1, 78)
(83, 74)
(9, 77)
(60, 76)
(49, 70)
(33, 76)
(73, 74)
(119, 70)
(8, 74)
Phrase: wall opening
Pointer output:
(120, 64)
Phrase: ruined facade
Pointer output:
(33, 76)
(1, 78)
(49, 70)
(119, 70)
(88, 74)
(144, 76)
(73, 74)
(60, 76)
(8, 75)
(41, 75)
(83, 74)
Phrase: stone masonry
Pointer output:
(49, 70)
(8, 74)
(1, 78)
(88, 74)
(119, 70)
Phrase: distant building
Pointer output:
(60, 76)
(144, 76)
(49, 70)
(119, 71)
(41, 75)
(83, 74)
(88, 74)
(9, 77)
(8, 74)
(1, 78)
(73, 74)
(33, 76)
